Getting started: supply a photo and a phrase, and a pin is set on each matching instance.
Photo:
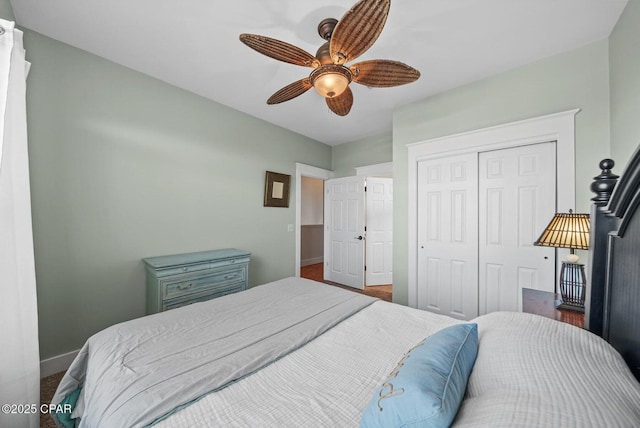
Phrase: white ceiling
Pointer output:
(193, 44)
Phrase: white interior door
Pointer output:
(379, 228)
(344, 231)
(517, 190)
(447, 277)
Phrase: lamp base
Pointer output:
(573, 286)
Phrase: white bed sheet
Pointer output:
(520, 379)
(537, 372)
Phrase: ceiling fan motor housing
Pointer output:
(326, 26)
(323, 54)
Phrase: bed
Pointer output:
(300, 353)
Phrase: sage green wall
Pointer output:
(578, 79)
(6, 11)
(123, 167)
(367, 151)
(624, 63)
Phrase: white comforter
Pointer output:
(136, 372)
(530, 372)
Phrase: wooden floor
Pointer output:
(315, 272)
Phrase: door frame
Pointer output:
(376, 170)
(559, 127)
(307, 171)
(380, 169)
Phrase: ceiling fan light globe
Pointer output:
(330, 80)
(331, 84)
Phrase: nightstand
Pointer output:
(543, 303)
(182, 279)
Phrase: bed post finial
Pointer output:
(604, 183)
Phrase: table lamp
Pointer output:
(569, 230)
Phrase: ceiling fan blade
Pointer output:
(358, 29)
(279, 50)
(290, 91)
(341, 105)
(383, 73)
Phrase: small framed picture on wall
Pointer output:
(276, 190)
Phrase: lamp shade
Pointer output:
(566, 230)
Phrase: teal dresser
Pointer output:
(182, 279)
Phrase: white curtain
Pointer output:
(19, 355)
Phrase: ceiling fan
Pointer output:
(346, 40)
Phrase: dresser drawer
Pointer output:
(183, 285)
(181, 279)
(184, 269)
(202, 296)
(199, 266)
(230, 262)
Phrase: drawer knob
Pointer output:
(185, 269)
(185, 286)
(229, 276)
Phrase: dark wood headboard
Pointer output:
(613, 292)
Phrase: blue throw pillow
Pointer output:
(428, 384)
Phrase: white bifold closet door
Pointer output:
(478, 216)
(517, 189)
(448, 235)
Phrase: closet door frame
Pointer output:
(559, 127)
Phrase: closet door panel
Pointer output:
(447, 236)
(517, 189)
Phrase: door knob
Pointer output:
(359, 238)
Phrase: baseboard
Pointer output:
(312, 261)
(59, 363)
